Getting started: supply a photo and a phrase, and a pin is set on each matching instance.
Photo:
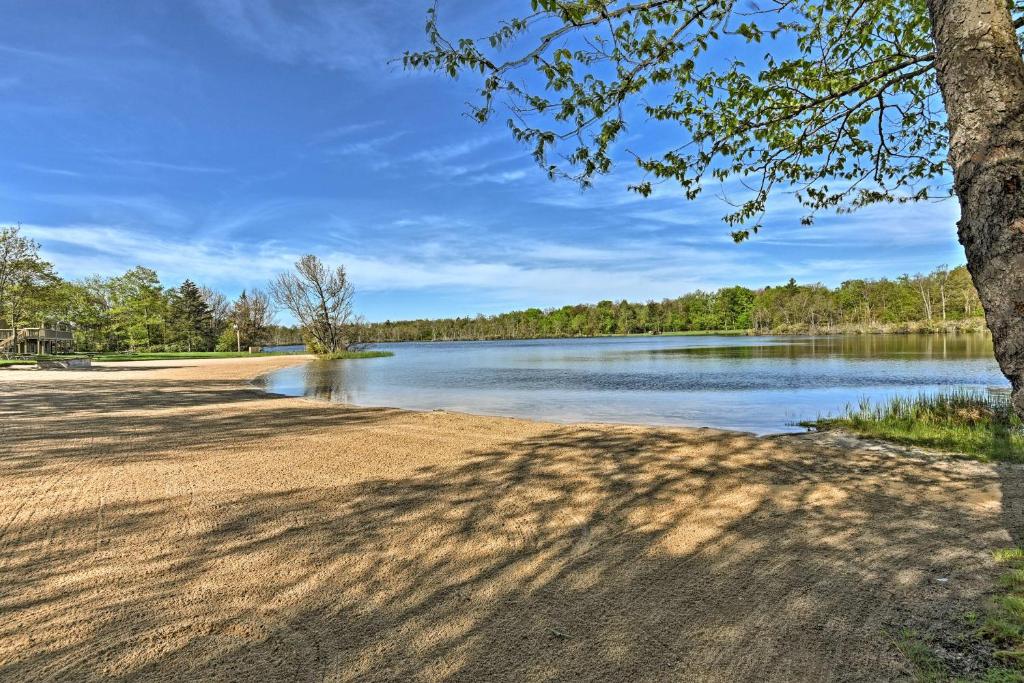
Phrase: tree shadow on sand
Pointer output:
(575, 554)
(118, 422)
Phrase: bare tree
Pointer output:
(924, 288)
(321, 301)
(941, 276)
(220, 309)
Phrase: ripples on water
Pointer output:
(759, 384)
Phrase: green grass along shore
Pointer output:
(969, 423)
(998, 630)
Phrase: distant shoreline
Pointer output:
(956, 327)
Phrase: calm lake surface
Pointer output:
(757, 384)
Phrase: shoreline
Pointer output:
(897, 331)
(253, 382)
(173, 519)
(826, 438)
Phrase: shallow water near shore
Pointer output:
(755, 384)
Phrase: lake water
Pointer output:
(757, 384)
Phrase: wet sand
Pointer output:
(168, 521)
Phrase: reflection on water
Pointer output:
(323, 380)
(854, 347)
(759, 384)
(285, 348)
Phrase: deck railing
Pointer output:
(40, 333)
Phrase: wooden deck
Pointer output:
(37, 340)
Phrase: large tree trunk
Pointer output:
(981, 74)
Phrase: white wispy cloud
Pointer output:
(444, 153)
(47, 170)
(166, 166)
(84, 249)
(100, 70)
(346, 130)
(502, 177)
(133, 210)
(451, 160)
(38, 55)
(572, 253)
(335, 35)
(885, 225)
(607, 192)
(545, 273)
(373, 145)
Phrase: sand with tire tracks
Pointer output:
(167, 521)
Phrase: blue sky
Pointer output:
(221, 139)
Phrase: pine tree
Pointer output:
(191, 318)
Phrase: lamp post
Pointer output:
(238, 337)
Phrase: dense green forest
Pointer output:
(944, 299)
(133, 311)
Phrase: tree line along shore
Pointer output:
(942, 301)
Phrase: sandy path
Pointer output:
(166, 521)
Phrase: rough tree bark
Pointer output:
(981, 74)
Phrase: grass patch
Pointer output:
(8, 363)
(1004, 624)
(926, 666)
(1000, 629)
(980, 426)
(351, 355)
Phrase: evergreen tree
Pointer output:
(191, 319)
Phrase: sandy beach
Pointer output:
(168, 521)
